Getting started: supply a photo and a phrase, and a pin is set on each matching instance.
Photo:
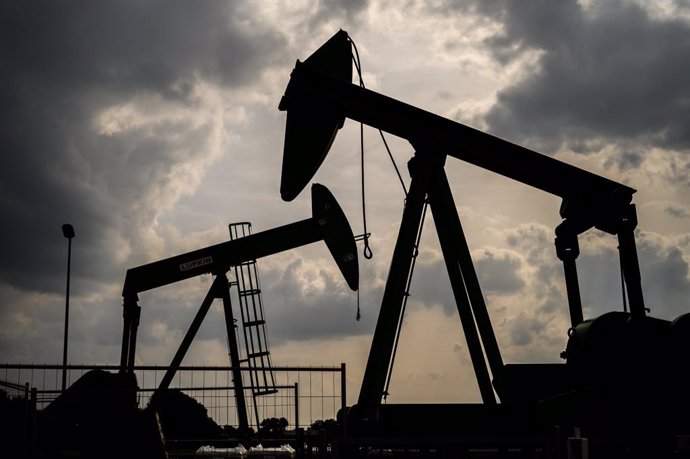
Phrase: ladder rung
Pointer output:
(254, 323)
(266, 392)
(254, 291)
(258, 354)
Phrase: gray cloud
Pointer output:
(604, 75)
(664, 277)
(130, 45)
(431, 285)
(535, 243)
(678, 211)
(664, 271)
(346, 12)
(304, 302)
(109, 113)
(66, 62)
(611, 71)
(524, 328)
(498, 271)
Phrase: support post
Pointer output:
(381, 351)
(567, 250)
(481, 313)
(131, 313)
(68, 232)
(343, 398)
(66, 340)
(136, 314)
(466, 290)
(126, 326)
(296, 406)
(629, 261)
(222, 280)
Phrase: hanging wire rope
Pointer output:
(368, 253)
(405, 297)
(355, 59)
(395, 166)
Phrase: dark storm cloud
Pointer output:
(63, 62)
(609, 71)
(130, 45)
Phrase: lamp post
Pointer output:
(68, 232)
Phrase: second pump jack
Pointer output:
(328, 223)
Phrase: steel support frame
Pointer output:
(213, 292)
(465, 283)
(429, 182)
(623, 226)
(219, 289)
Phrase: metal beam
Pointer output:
(309, 88)
(220, 257)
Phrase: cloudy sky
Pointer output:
(151, 125)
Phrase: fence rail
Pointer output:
(305, 394)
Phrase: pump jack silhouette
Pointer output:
(328, 223)
(623, 374)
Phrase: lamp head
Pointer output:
(311, 125)
(68, 231)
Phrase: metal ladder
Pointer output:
(256, 353)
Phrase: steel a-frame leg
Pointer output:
(381, 352)
(219, 289)
(428, 178)
(466, 289)
(213, 292)
(132, 313)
